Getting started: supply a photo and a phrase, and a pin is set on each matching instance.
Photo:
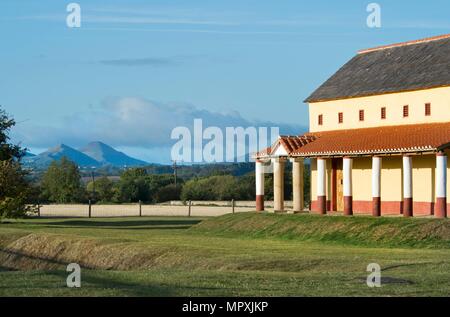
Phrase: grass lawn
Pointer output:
(175, 256)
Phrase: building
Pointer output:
(379, 136)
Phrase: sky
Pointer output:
(136, 69)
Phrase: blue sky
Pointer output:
(136, 69)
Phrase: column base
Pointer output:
(322, 205)
(348, 205)
(440, 209)
(259, 202)
(407, 207)
(376, 206)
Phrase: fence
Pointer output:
(192, 208)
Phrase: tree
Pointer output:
(104, 189)
(13, 184)
(61, 182)
(132, 187)
(8, 151)
(14, 189)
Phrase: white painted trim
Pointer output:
(280, 151)
(376, 176)
(441, 176)
(407, 177)
(347, 176)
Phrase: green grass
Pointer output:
(233, 255)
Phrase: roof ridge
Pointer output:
(412, 42)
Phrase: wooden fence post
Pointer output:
(232, 205)
(90, 208)
(140, 208)
(39, 209)
(189, 212)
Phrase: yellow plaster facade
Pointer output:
(439, 98)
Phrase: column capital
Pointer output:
(280, 159)
(441, 153)
(296, 159)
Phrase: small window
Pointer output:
(428, 109)
(340, 117)
(405, 111)
(383, 113)
(361, 115)
(320, 119)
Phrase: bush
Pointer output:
(211, 188)
(167, 193)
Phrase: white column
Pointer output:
(278, 184)
(348, 185)
(441, 186)
(297, 184)
(321, 186)
(376, 186)
(259, 178)
(407, 186)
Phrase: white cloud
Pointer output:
(131, 122)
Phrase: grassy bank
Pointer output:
(359, 230)
(168, 256)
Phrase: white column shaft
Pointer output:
(278, 185)
(347, 176)
(407, 177)
(321, 177)
(441, 176)
(259, 175)
(297, 184)
(376, 176)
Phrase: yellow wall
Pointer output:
(438, 97)
(362, 178)
(391, 178)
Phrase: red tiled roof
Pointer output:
(379, 140)
(290, 143)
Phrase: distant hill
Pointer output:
(106, 155)
(44, 159)
(29, 154)
(93, 155)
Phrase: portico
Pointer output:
(379, 136)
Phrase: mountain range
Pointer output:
(94, 154)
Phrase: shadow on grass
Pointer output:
(92, 280)
(128, 224)
(93, 283)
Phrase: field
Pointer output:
(243, 254)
